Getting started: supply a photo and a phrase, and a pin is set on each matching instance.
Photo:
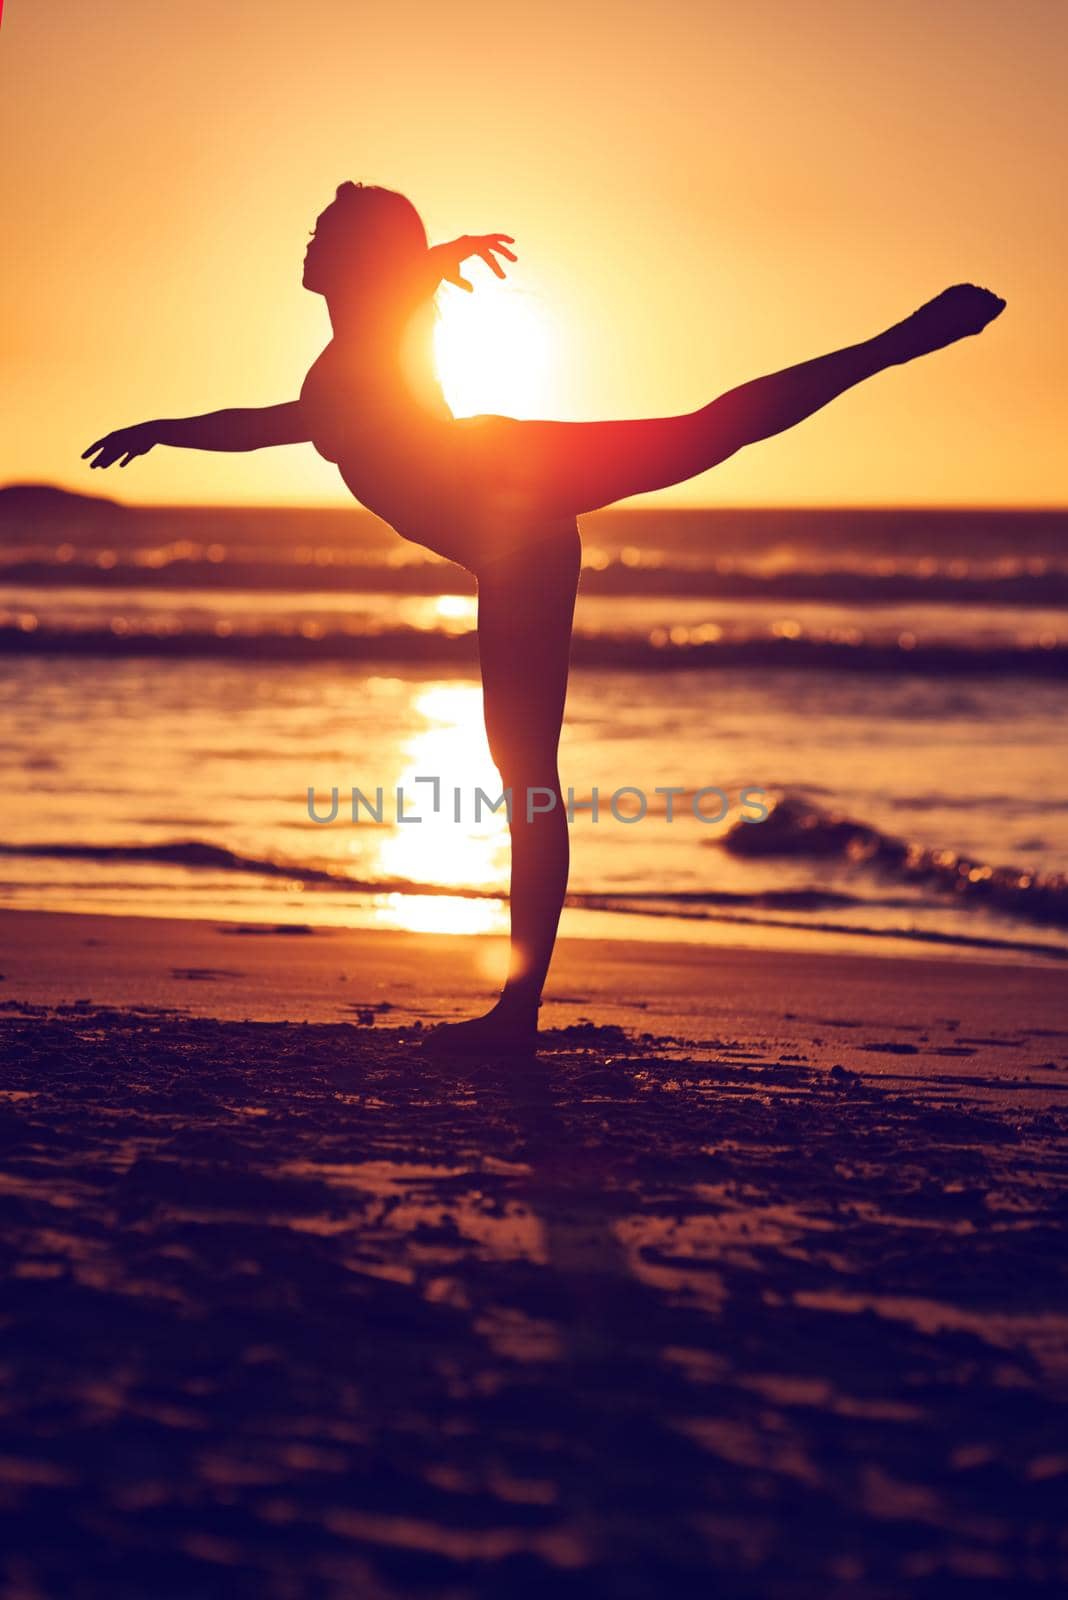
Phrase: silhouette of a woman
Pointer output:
(501, 497)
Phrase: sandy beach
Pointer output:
(753, 1287)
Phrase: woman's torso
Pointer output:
(460, 487)
(348, 401)
(391, 440)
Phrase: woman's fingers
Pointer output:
(486, 247)
(491, 244)
(106, 450)
(490, 248)
(123, 446)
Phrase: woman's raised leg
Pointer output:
(526, 603)
(568, 468)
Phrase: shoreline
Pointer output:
(869, 1013)
(585, 925)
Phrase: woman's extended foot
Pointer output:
(954, 314)
(507, 1029)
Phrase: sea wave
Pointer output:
(797, 829)
(201, 855)
(787, 646)
(919, 880)
(1025, 582)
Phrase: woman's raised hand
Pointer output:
(488, 246)
(124, 445)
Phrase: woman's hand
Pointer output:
(124, 443)
(488, 246)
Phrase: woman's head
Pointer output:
(367, 239)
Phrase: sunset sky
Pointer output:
(700, 192)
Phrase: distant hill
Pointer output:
(27, 508)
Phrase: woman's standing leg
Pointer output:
(526, 603)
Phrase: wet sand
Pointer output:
(756, 1288)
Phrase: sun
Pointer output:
(493, 351)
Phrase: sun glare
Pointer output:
(451, 745)
(493, 351)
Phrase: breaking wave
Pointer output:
(663, 649)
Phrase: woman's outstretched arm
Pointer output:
(246, 429)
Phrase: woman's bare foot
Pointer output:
(506, 1030)
(954, 314)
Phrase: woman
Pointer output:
(501, 496)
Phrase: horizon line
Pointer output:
(618, 508)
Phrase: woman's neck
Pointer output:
(368, 320)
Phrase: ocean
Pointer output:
(858, 714)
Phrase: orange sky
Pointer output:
(700, 192)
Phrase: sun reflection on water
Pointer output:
(439, 913)
(438, 849)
